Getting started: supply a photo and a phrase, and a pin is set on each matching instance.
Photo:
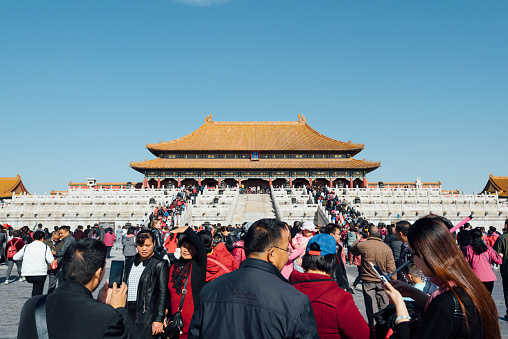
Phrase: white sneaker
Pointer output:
(22, 279)
(6, 282)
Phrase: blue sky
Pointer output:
(84, 85)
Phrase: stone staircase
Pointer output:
(252, 207)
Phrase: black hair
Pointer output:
(477, 241)
(402, 227)
(38, 235)
(491, 231)
(65, 227)
(263, 234)
(230, 240)
(16, 233)
(131, 230)
(206, 238)
(217, 238)
(412, 269)
(374, 232)
(330, 228)
(82, 259)
(325, 263)
(143, 235)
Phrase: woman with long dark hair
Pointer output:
(461, 307)
(147, 278)
(191, 267)
(480, 257)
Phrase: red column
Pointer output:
(199, 181)
(219, 182)
(270, 181)
(145, 182)
(158, 182)
(365, 183)
(179, 182)
(310, 181)
(239, 182)
(350, 182)
(331, 183)
(291, 182)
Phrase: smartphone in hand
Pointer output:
(380, 274)
(116, 273)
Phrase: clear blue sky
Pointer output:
(84, 85)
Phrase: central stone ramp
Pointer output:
(252, 207)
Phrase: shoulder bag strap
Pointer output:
(184, 291)
(220, 264)
(40, 318)
(486, 257)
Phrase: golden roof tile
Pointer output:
(9, 185)
(497, 184)
(255, 136)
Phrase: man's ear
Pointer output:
(98, 273)
(270, 257)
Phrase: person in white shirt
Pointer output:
(35, 256)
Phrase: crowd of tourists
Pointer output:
(263, 279)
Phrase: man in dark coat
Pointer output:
(339, 275)
(56, 245)
(79, 234)
(394, 243)
(255, 301)
(71, 311)
(67, 239)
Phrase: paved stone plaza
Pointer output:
(14, 295)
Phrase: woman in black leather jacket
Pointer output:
(147, 277)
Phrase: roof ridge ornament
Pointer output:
(301, 118)
(209, 118)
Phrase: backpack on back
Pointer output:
(12, 250)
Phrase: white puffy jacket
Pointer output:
(35, 256)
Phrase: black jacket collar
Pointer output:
(69, 286)
(262, 265)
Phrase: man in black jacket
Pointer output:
(255, 301)
(340, 275)
(71, 311)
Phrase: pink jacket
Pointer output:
(239, 252)
(299, 240)
(109, 239)
(480, 263)
(288, 268)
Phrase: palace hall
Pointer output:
(278, 153)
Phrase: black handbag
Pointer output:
(174, 326)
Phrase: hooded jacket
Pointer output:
(334, 309)
(222, 255)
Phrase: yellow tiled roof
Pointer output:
(255, 136)
(294, 164)
(10, 185)
(497, 184)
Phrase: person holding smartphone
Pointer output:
(462, 307)
(147, 277)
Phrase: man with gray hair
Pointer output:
(374, 251)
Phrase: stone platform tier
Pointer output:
(393, 204)
(84, 207)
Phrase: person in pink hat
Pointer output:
(302, 237)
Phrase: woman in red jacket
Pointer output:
(219, 260)
(334, 309)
